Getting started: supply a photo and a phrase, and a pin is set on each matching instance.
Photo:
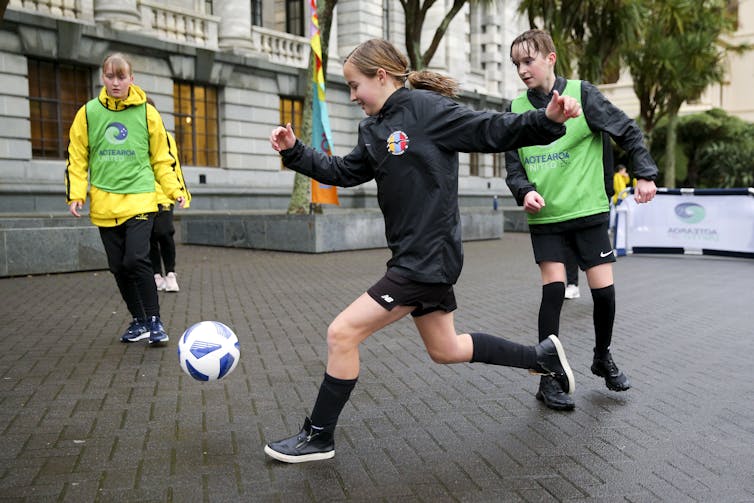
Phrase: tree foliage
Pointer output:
(716, 148)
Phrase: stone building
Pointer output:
(222, 73)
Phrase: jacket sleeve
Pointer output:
(602, 115)
(173, 149)
(77, 165)
(462, 129)
(160, 158)
(348, 171)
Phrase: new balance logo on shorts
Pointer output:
(387, 298)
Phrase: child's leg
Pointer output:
(600, 279)
(553, 293)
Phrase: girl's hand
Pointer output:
(562, 108)
(74, 208)
(282, 138)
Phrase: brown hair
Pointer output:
(119, 64)
(534, 41)
(370, 56)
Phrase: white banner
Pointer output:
(688, 221)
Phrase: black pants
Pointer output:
(162, 244)
(127, 249)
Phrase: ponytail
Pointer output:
(434, 81)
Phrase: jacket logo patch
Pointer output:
(397, 143)
(116, 133)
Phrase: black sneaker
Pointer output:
(157, 334)
(553, 396)
(311, 444)
(136, 331)
(551, 361)
(614, 379)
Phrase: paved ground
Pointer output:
(86, 418)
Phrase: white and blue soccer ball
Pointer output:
(208, 350)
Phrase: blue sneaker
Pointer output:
(157, 335)
(136, 331)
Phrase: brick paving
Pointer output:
(84, 417)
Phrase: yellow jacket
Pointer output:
(620, 182)
(108, 209)
(161, 197)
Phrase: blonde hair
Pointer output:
(370, 56)
(532, 42)
(119, 64)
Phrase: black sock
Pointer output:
(549, 309)
(604, 317)
(332, 397)
(498, 351)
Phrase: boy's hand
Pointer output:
(533, 202)
(562, 108)
(181, 201)
(282, 138)
(645, 191)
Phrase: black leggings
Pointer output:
(162, 244)
(127, 249)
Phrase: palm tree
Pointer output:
(589, 35)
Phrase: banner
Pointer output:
(321, 134)
(701, 221)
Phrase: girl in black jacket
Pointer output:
(409, 144)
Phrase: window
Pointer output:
(196, 124)
(256, 12)
(208, 7)
(291, 110)
(56, 92)
(294, 17)
(473, 163)
(498, 164)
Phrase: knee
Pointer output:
(340, 338)
(444, 355)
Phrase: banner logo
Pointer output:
(690, 213)
(397, 143)
(116, 133)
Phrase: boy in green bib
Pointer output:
(562, 189)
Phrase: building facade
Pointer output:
(222, 73)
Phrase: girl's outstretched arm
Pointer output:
(562, 108)
(282, 138)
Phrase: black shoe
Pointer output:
(614, 379)
(311, 444)
(551, 361)
(553, 396)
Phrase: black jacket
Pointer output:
(411, 149)
(601, 116)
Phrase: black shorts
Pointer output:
(395, 290)
(590, 246)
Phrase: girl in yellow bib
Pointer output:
(118, 148)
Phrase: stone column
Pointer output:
(117, 14)
(234, 30)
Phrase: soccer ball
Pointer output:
(208, 350)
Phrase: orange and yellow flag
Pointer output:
(321, 133)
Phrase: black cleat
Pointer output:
(553, 396)
(311, 444)
(614, 379)
(551, 361)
